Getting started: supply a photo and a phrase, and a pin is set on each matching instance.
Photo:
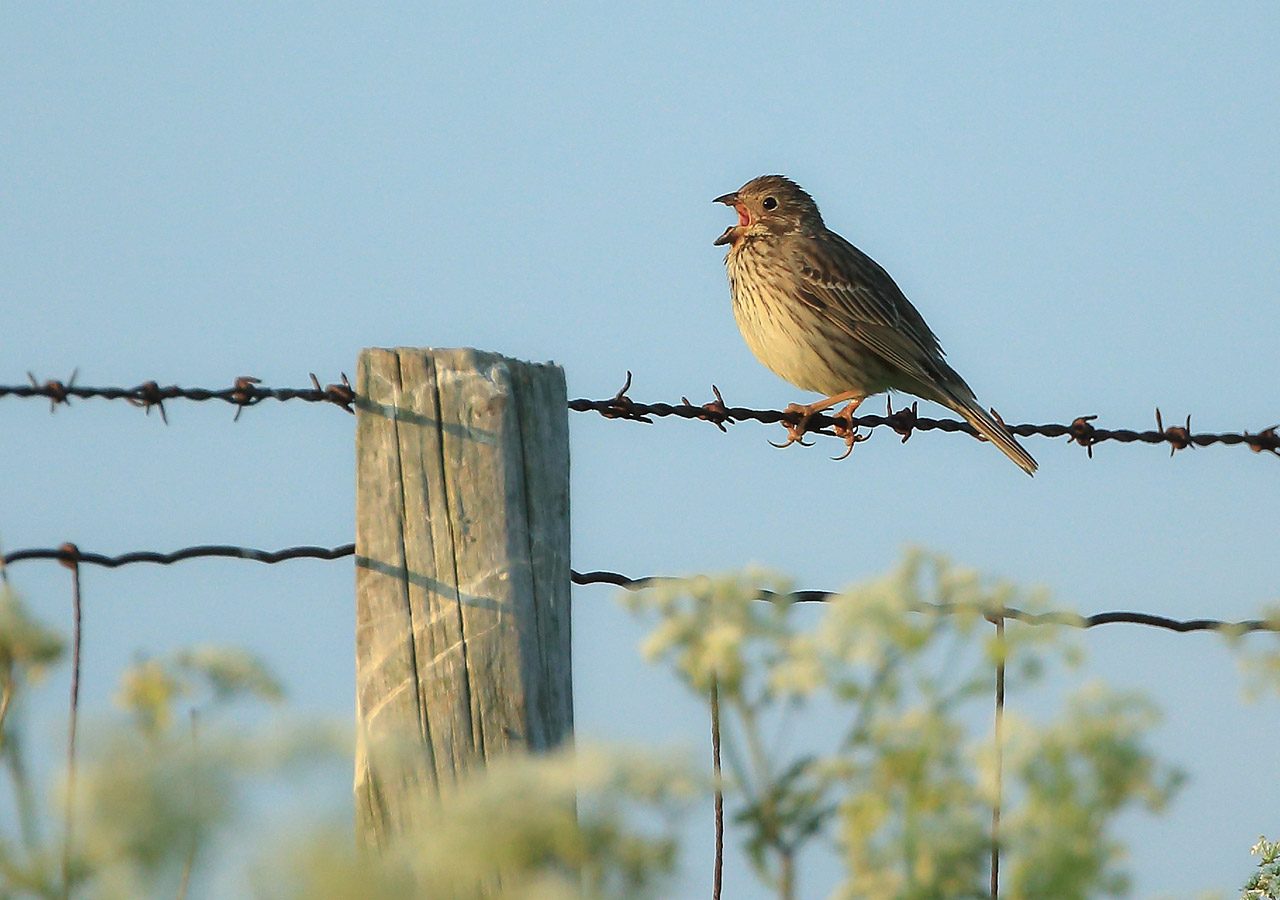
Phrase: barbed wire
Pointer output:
(245, 391)
(248, 391)
(70, 555)
(907, 420)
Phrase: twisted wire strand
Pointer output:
(70, 555)
(247, 391)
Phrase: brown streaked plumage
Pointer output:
(827, 318)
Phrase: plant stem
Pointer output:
(6, 696)
(190, 861)
(787, 875)
(755, 746)
(28, 825)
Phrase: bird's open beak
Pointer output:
(729, 199)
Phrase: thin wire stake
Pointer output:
(999, 741)
(717, 879)
(71, 561)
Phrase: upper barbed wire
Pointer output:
(248, 391)
(245, 391)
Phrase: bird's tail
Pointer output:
(993, 430)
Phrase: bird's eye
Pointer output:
(770, 203)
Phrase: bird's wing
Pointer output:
(859, 298)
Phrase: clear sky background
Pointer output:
(1083, 200)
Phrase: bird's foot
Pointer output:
(796, 430)
(844, 428)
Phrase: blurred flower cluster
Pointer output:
(901, 670)
(863, 724)
(162, 791)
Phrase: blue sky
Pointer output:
(1081, 199)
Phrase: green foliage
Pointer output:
(147, 797)
(27, 650)
(907, 791)
(146, 803)
(1076, 773)
(1265, 883)
(151, 689)
(27, 647)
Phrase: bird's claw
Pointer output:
(796, 430)
(793, 437)
(851, 439)
(844, 428)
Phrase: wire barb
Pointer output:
(55, 390)
(904, 420)
(341, 395)
(714, 411)
(1265, 441)
(620, 406)
(243, 394)
(149, 395)
(1179, 436)
(1083, 433)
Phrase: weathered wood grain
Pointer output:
(462, 571)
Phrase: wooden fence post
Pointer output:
(462, 572)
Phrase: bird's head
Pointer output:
(769, 205)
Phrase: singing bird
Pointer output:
(827, 318)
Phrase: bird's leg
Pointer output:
(796, 432)
(845, 428)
